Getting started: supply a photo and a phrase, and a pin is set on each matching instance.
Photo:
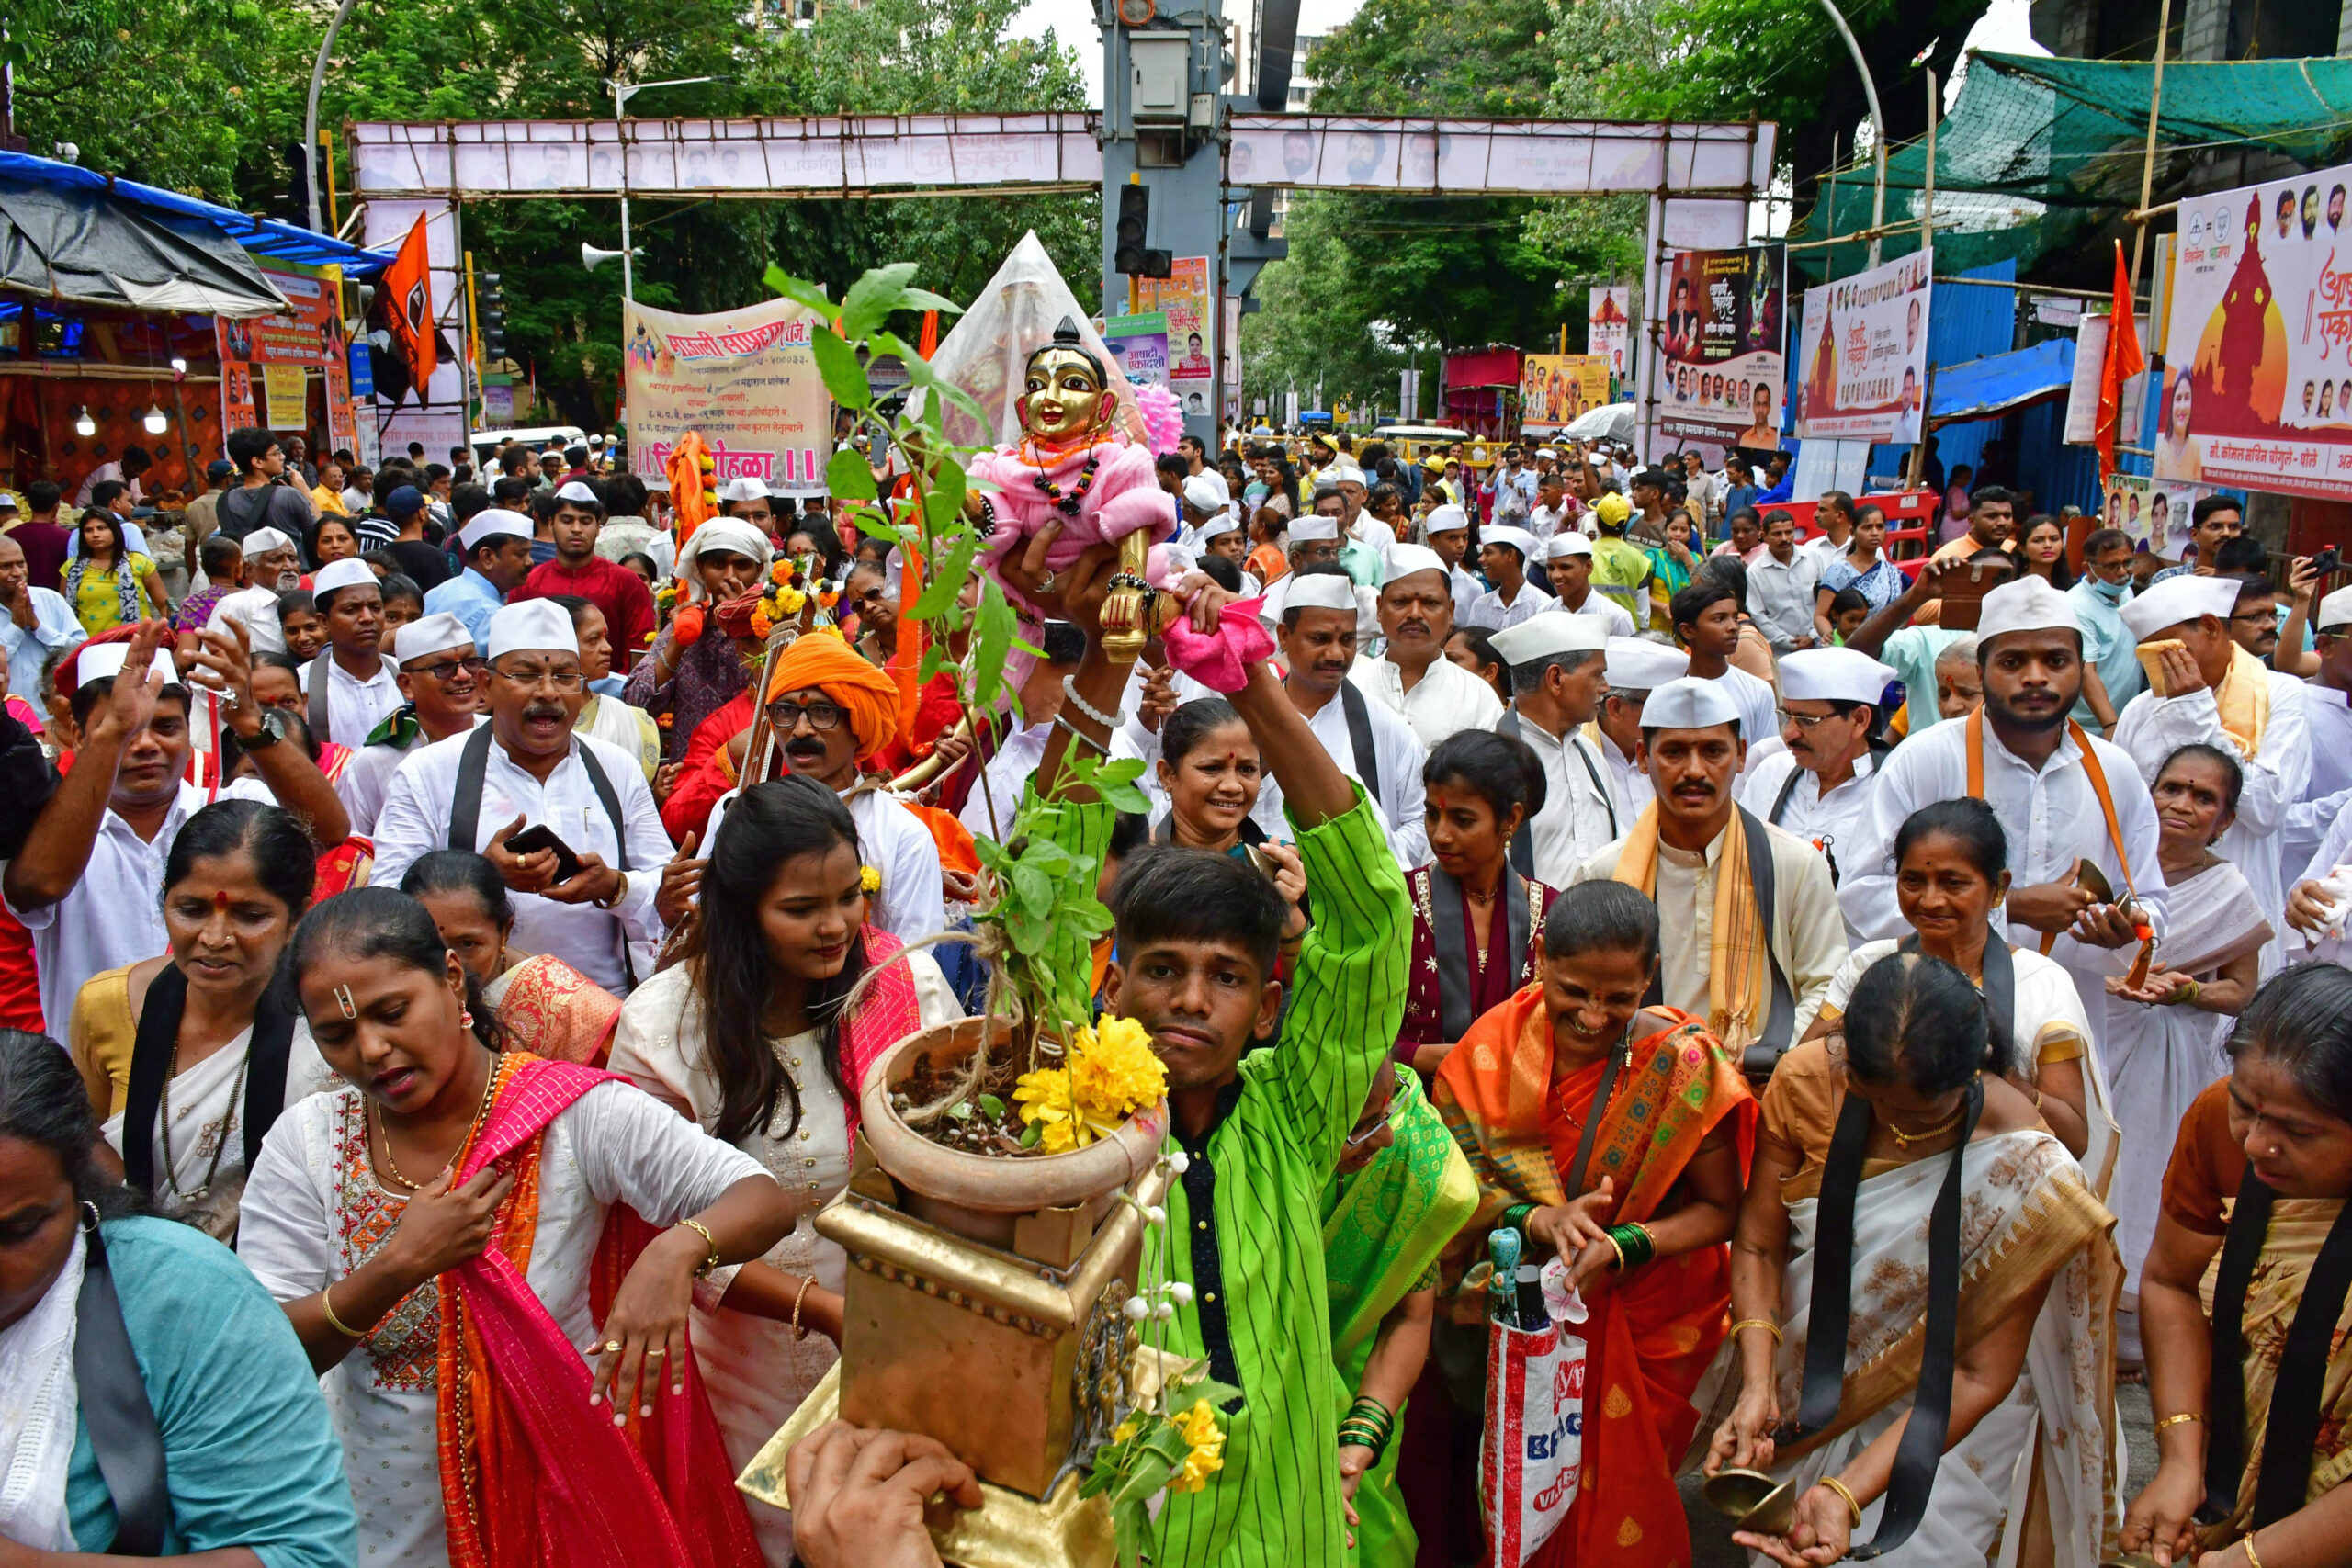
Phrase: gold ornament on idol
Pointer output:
(1065, 403)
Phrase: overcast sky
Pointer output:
(1072, 21)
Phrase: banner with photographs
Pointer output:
(1722, 368)
(1554, 388)
(1609, 326)
(1182, 299)
(2156, 512)
(2258, 387)
(1862, 353)
(747, 379)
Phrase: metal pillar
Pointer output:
(1878, 126)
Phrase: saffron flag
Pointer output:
(2123, 362)
(402, 320)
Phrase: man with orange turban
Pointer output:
(829, 710)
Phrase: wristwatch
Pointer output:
(272, 731)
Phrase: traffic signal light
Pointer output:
(1130, 255)
(491, 306)
(298, 181)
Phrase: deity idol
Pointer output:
(1073, 463)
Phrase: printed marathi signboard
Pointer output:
(746, 379)
(1722, 368)
(265, 361)
(2258, 387)
(1554, 388)
(1140, 345)
(1862, 353)
(1609, 326)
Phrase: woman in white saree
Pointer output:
(1969, 1414)
(1951, 873)
(191, 1052)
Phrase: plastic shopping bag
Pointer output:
(1533, 1449)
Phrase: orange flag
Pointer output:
(408, 288)
(2124, 361)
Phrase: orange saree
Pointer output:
(1652, 1333)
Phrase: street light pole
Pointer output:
(622, 92)
(311, 112)
(1878, 128)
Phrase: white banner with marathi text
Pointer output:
(1862, 353)
(746, 379)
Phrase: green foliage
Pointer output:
(203, 95)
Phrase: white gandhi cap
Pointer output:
(537, 624)
(1549, 633)
(2027, 604)
(1405, 560)
(744, 488)
(493, 524)
(1690, 703)
(1313, 530)
(1445, 519)
(1320, 590)
(2334, 611)
(335, 574)
(261, 541)
(1567, 542)
(2179, 599)
(1832, 675)
(108, 658)
(430, 634)
(1638, 664)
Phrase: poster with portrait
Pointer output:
(1609, 326)
(2257, 382)
(2154, 513)
(1862, 353)
(1183, 298)
(265, 361)
(1140, 345)
(1720, 362)
(1555, 389)
(747, 379)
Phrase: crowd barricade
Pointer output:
(1910, 523)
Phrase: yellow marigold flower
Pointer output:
(1200, 1428)
(868, 879)
(1065, 1123)
(1113, 1072)
(790, 600)
(1123, 1430)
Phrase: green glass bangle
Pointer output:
(1515, 1217)
(1634, 1243)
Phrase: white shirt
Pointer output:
(1009, 769)
(353, 706)
(415, 821)
(2152, 728)
(114, 915)
(1545, 521)
(1823, 552)
(256, 609)
(1465, 594)
(1833, 821)
(54, 627)
(2052, 820)
(913, 901)
(369, 773)
(1779, 597)
(1631, 786)
(1401, 797)
(2328, 713)
(1601, 607)
(1444, 701)
(1580, 816)
(1758, 705)
(1491, 611)
(1808, 939)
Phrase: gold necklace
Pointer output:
(391, 1167)
(1903, 1140)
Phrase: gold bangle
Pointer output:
(619, 893)
(1766, 1323)
(1856, 1508)
(336, 1323)
(1615, 1248)
(2252, 1560)
(800, 1333)
(711, 1262)
(2177, 1420)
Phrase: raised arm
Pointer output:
(1872, 634)
(57, 851)
(293, 779)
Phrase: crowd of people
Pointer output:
(1905, 995)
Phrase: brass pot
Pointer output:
(983, 1196)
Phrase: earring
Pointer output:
(466, 1018)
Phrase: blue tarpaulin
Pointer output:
(1984, 388)
(262, 236)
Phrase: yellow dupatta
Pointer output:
(2243, 700)
(1738, 949)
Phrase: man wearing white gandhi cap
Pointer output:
(350, 682)
(1366, 738)
(1814, 777)
(1568, 565)
(1636, 667)
(1751, 954)
(440, 682)
(89, 883)
(1412, 676)
(1447, 529)
(527, 767)
(1558, 672)
(2203, 689)
(271, 566)
(1507, 555)
(2062, 796)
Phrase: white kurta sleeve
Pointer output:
(2334, 848)
(650, 850)
(1404, 797)
(284, 1232)
(633, 1149)
(2151, 729)
(913, 903)
(410, 824)
(1866, 892)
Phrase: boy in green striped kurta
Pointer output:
(1197, 940)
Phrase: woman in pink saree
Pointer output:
(468, 1220)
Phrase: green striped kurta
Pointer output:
(1245, 1222)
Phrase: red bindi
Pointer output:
(221, 902)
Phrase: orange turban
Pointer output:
(823, 662)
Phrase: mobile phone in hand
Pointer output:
(539, 836)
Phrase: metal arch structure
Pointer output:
(1700, 177)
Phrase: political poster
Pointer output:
(1862, 353)
(1140, 345)
(285, 394)
(747, 379)
(1554, 388)
(1609, 326)
(2154, 513)
(1721, 369)
(266, 360)
(1184, 298)
(2258, 387)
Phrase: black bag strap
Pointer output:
(1449, 935)
(319, 711)
(465, 804)
(1921, 1449)
(266, 1055)
(1592, 771)
(1781, 801)
(2000, 990)
(609, 798)
(2225, 1397)
(151, 1049)
(123, 1431)
(1359, 717)
(1523, 844)
(1609, 1071)
(1781, 1013)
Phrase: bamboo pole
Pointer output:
(2148, 158)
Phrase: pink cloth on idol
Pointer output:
(1221, 660)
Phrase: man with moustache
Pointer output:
(1815, 779)
(350, 686)
(440, 681)
(1366, 738)
(1697, 852)
(1569, 564)
(1992, 523)
(272, 566)
(526, 768)
(1635, 666)
(2062, 796)
(1412, 676)
(1558, 672)
(1447, 528)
